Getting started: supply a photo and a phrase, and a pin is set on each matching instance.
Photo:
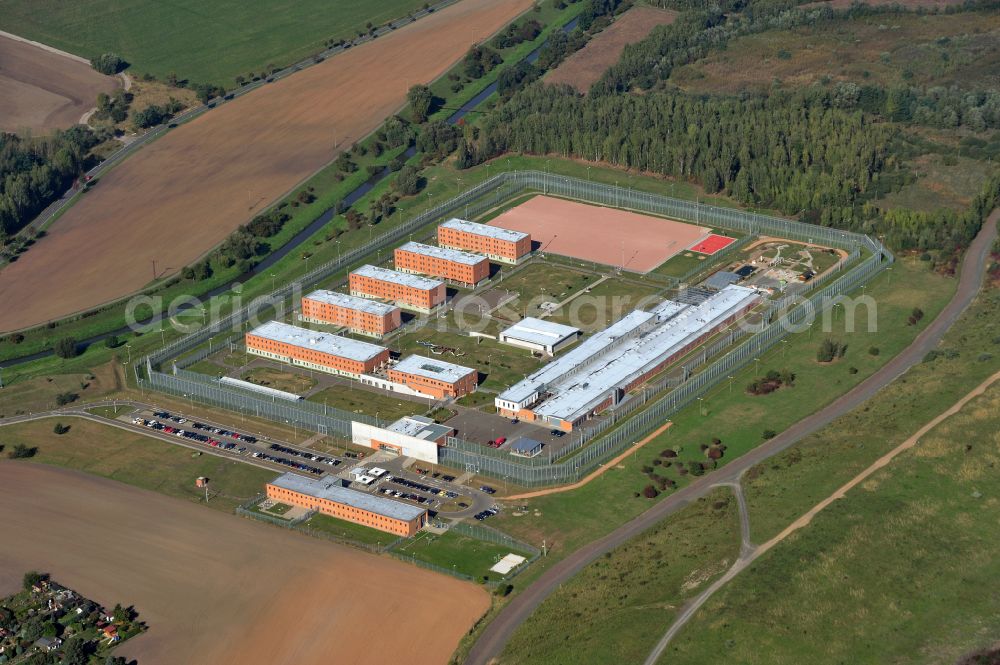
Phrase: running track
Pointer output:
(498, 632)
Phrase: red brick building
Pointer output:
(359, 315)
(315, 350)
(450, 264)
(496, 243)
(408, 291)
(434, 377)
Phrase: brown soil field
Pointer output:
(215, 588)
(610, 236)
(586, 66)
(184, 193)
(41, 90)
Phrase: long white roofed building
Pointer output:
(598, 372)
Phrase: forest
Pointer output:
(823, 153)
(36, 171)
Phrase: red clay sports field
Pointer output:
(712, 244)
(638, 243)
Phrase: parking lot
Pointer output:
(480, 427)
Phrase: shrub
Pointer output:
(66, 348)
(650, 492)
(22, 451)
(769, 434)
(112, 341)
(62, 399)
(108, 63)
(31, 578)
(852, 370)
(668, 453)
(60, 429)
(873, 351)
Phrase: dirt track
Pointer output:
(582, 69)
(219, 589)
(41, 90)
(496, 634)
(187, 191)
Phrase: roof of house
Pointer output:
(432, 368)
(333, 491)
(351, 302)
(452, 255)
(343, 347)
(525, 445)
(539, 331)
(396, 277)
(722, 279)
(484, 230)
(420, 427)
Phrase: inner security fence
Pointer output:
(595, 444)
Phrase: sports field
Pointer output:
(635, 242)
(186, 192)
(41, 90)
(215, 588)
(205, 42)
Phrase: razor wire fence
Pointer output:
(589, 453)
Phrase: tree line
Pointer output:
(36, 171)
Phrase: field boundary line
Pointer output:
(805, 519)
(597, 472)
(44, 47)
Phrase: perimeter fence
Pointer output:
(594, 444)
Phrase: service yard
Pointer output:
(186, 192)
(42, 90)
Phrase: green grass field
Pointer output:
(138, 460)
(326, 525)
(543, 281)
(607, 302)
(947, 182)
(901, 570)
(738, 419)
(503, 365)
(202, 42)
(358, 400)
(457, 552)
(615, 607)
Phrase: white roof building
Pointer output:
(396, 277)
(351, 302)
(539, 335)
(597, 372)
(452, 255)
(432, 368)
(486, 230)
(342, 347)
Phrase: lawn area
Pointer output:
(503, 365)
(138, 460)
(358, 400)
(681, 264)
(543, 282)
(901, 570)
(288, 380)
(41, 394)
(786, 486)
(942, 181)
(203, 42)
(903, 49)
(572, 518)
(324, 524)
(607, 302)
(110, 412)
(461, 553)
(619, 605)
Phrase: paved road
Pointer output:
(496, 634)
